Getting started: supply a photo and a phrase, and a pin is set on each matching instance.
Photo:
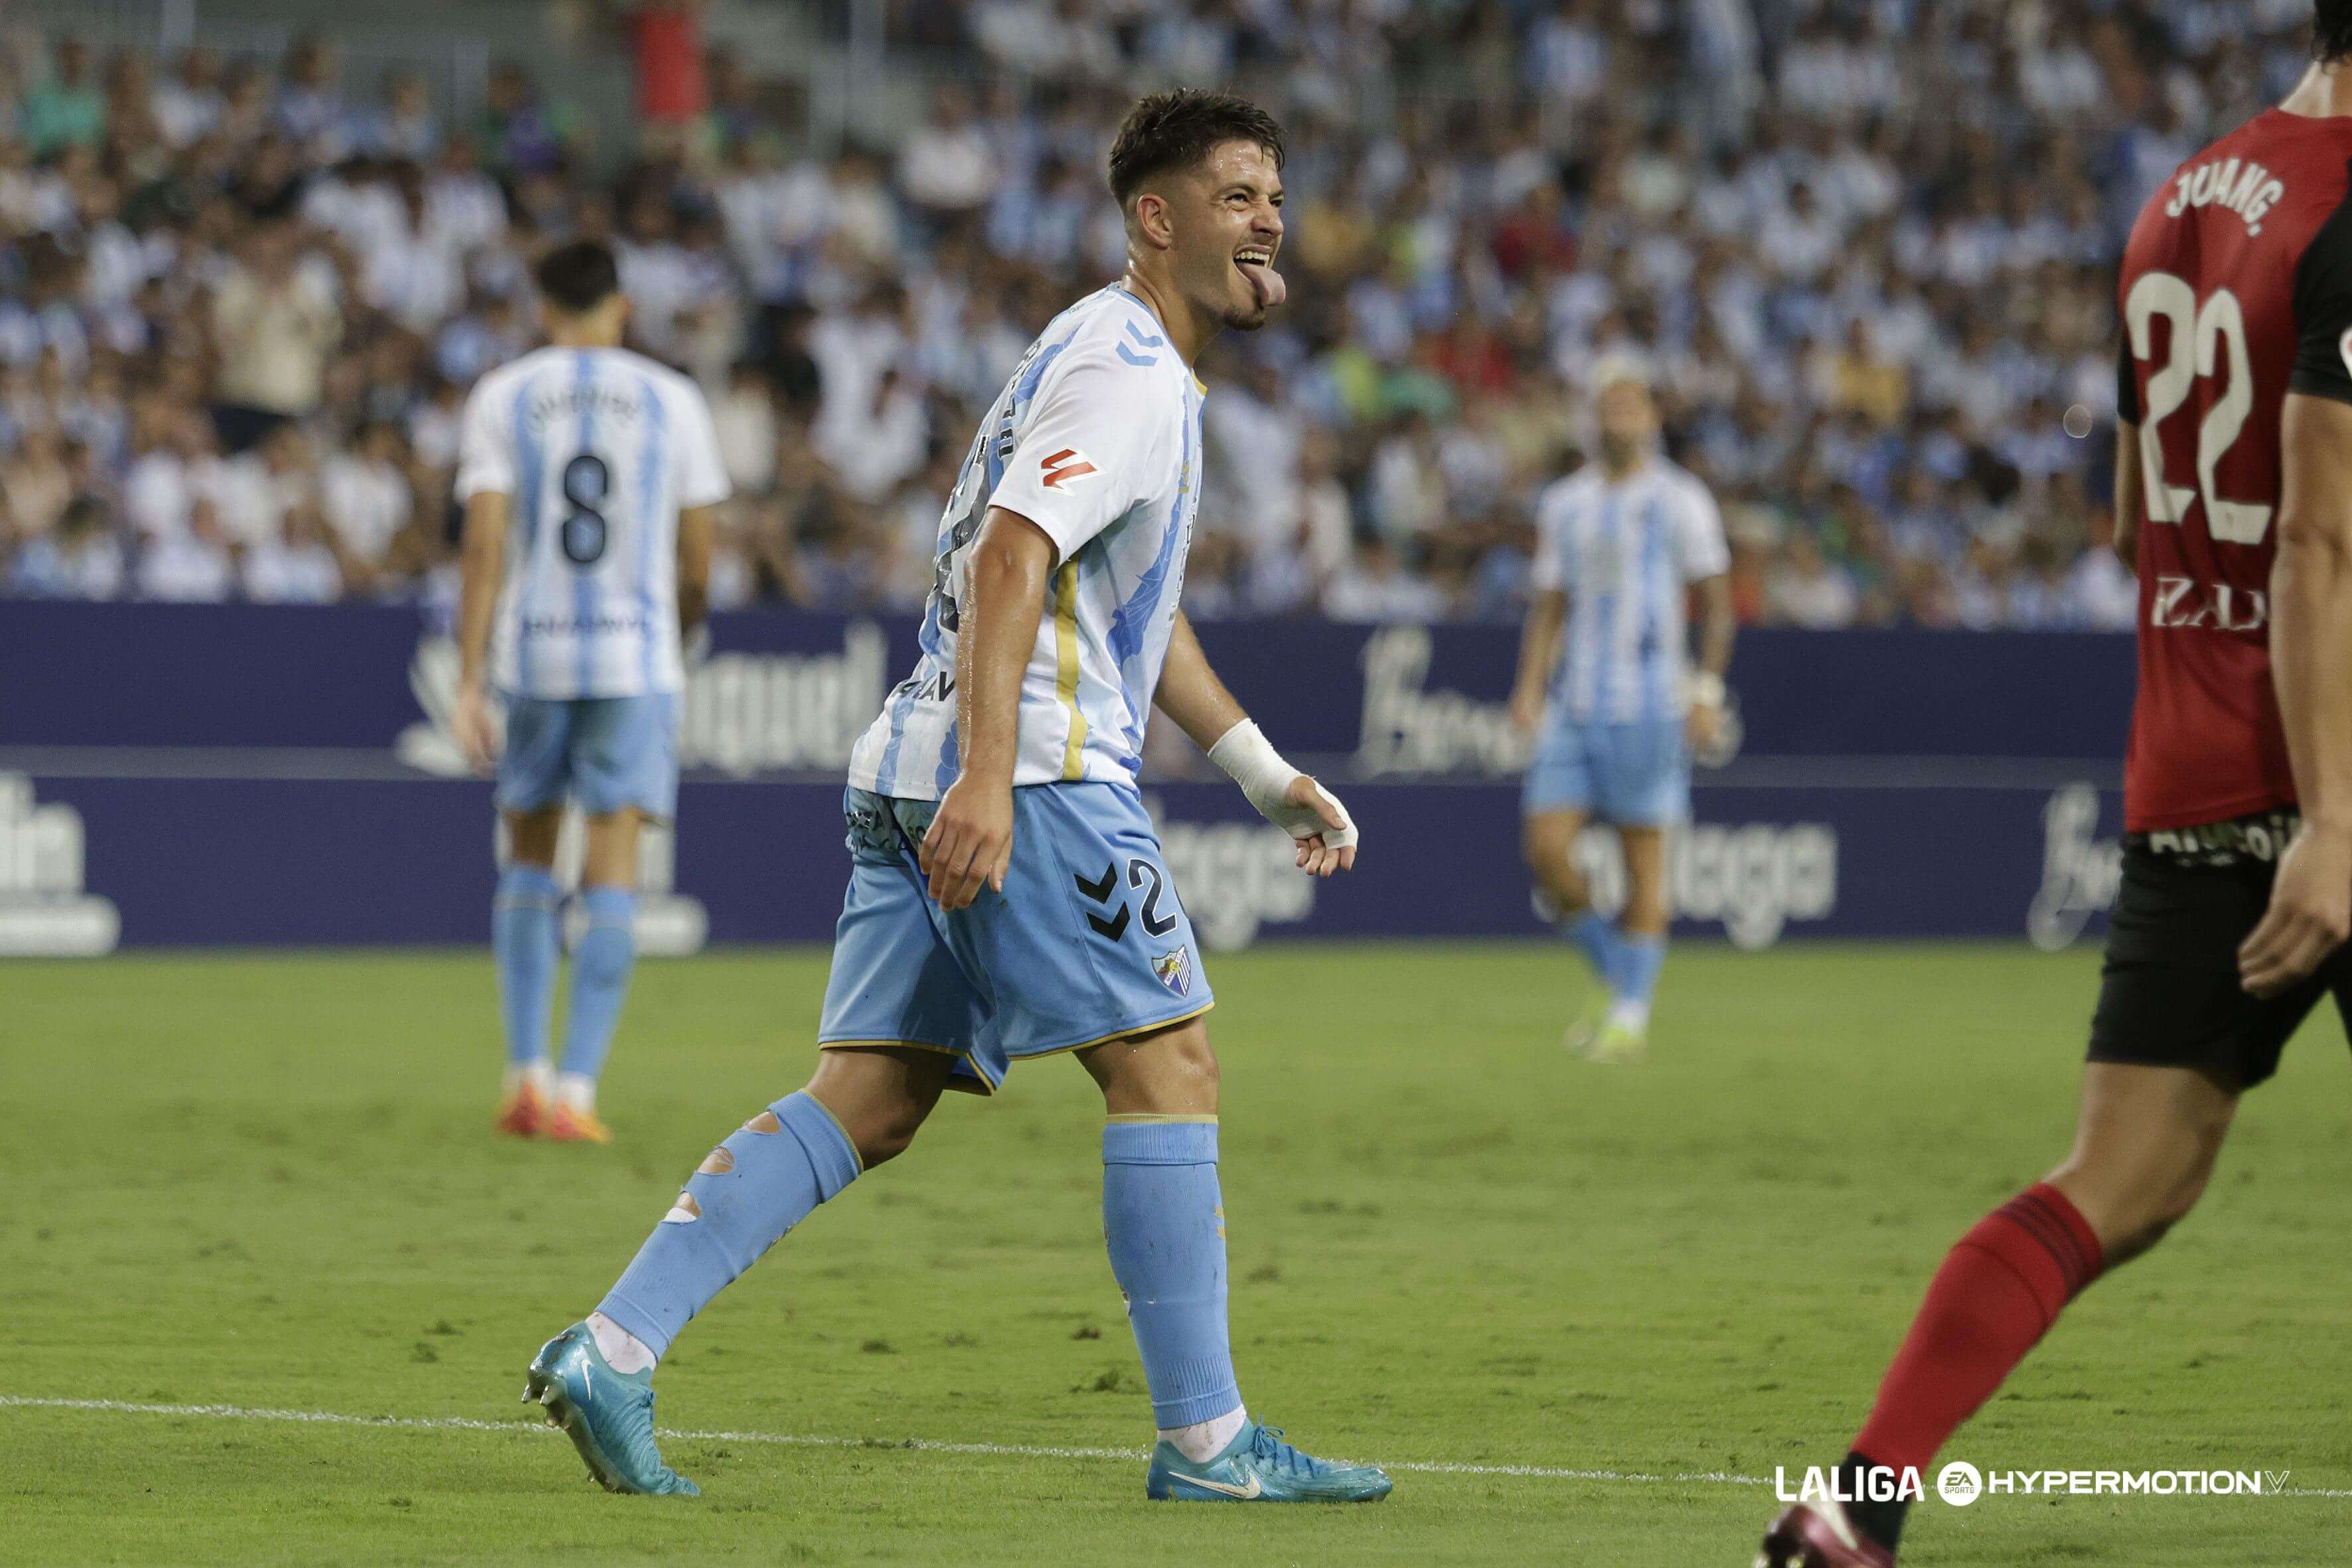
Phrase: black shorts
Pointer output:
(2169, 995)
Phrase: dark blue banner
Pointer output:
(787, 691)
(224, 860)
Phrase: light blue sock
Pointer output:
(523, 943)
(739, 1203)
(1644, 957)
(1596, 937)
(600, 978)
(1165, 1221)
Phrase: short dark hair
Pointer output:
(578, 277)
(2331, 30)
(1176, 129)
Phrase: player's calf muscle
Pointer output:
(881, 1097)
(2143, 1152)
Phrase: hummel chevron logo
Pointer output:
(1099, 891)
(1065, 467)
(1245, 1493)
(1113, 928)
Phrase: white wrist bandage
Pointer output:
(1246, 754)
(1703, 688)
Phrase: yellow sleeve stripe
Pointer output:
(1065, 667)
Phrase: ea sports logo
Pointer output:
(1959, 1484)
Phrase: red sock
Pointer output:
(2000, 1290)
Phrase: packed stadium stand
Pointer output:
(1866, 252)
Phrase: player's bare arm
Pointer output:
(2131, 495)
(482, 562)
(1539, 656)
(2310, 910)
(1717, 626)
(970, 838)
(697, 530)
(1197, 702)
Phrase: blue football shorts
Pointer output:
(605, 753)
(1635, 774)
(1087, 942)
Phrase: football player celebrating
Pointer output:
(1007, 897)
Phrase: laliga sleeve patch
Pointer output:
(1067, 467)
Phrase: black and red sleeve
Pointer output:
(2322, 309)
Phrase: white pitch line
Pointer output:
(917, 1445)
(914, 1444)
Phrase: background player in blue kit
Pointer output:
(591, 476)
(1606, 685)
(1007, 895)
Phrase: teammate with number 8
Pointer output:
(591, 475)
(2233, 500)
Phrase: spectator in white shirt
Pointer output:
(1806, 589)
(80, 559)
(947, 166)
(156, 492)
(872, 455)
(193, 565)
(187, 103)
(745, 418)
(300, 566)
(363, 491)
(1374, 587)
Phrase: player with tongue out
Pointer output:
(1008, 900)
(1201, 242)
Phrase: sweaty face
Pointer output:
(1227, 219)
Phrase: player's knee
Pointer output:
(1172, 1072)
(1555, 872)
(531, 837)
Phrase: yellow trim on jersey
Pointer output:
(1149, 1119)
(1065, 667)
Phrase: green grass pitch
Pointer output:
(268, 1183)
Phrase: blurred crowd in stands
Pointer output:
(1865, 248)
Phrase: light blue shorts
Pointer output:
(1635, 774)
(1087, 944)
(604, 752)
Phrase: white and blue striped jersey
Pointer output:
(1097, 440)
(598, 450)
(1624, 551)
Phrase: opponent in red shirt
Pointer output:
(2233, 500)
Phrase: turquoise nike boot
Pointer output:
(608, 1415)
(1257, 1465)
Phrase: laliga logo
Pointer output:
(1959, 1484)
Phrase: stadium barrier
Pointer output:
(177, 775)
